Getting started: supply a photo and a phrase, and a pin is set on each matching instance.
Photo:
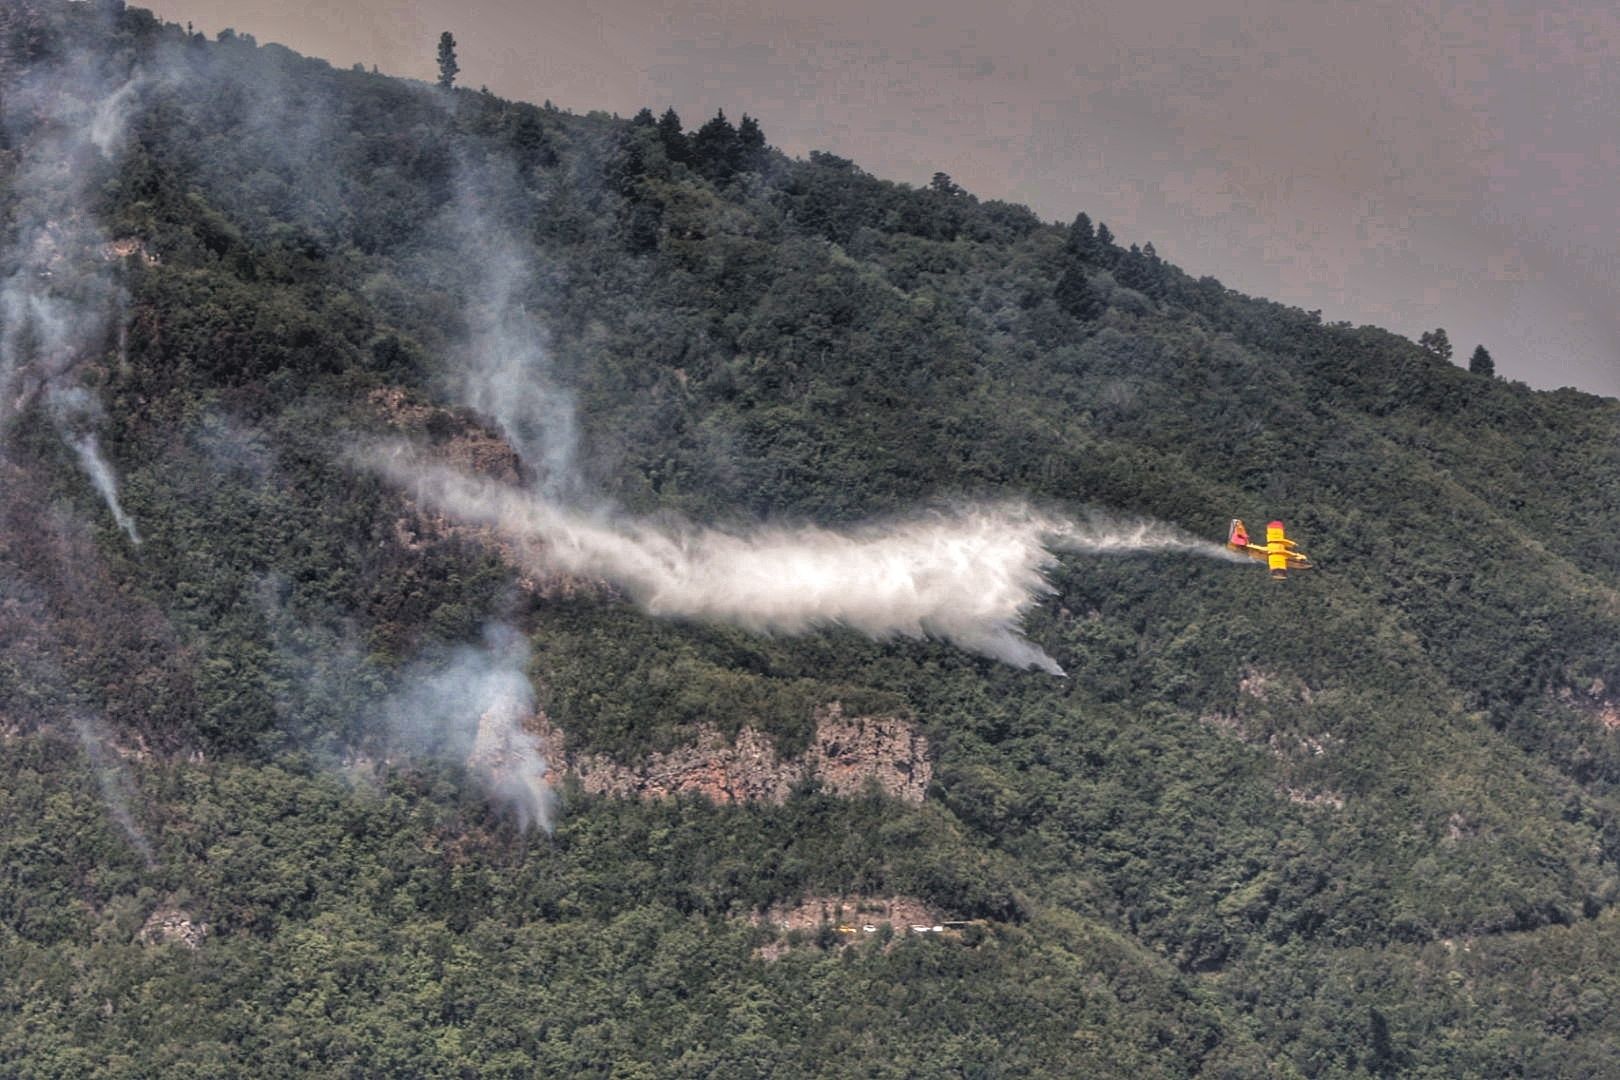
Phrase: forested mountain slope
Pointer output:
(1362, 822)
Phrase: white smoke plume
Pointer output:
(469, 706)
(112, 780)
(465, 706)
(110, 119)
(966, 577)
(101, 475)
(56, 301)
(506, 370)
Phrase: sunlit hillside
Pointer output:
(491, 590)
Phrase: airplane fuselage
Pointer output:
(1278, 551)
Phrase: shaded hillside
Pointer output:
(1328, 827)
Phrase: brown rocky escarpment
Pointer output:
(460, 441)
(848, 755)
(171, 925)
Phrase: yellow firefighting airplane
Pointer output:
(1278, 551)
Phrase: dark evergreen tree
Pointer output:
(1076, 295)
(1481, 363)
(641, 229)
(673, 136)
(625, 170)
(529, 141)
(1107, 252)
(1082, 239)
(751, 141)
(448, 68)
(715, 147)
(1135, 270)
(1381, 1056)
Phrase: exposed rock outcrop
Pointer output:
(459, 442)
(846, 754)
(1325, 799)
(850, 752)
(841, 921)
(125, 246)
(463, 444)
(812, 912)
(1261, 697)
(172, 925)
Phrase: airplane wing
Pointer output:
(1281, 555)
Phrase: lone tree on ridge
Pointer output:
(1436, 343)
(447, 60)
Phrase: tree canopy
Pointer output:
(1360, 822)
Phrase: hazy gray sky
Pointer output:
(1417, 164)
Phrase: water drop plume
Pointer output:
(966, 576)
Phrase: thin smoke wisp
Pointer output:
(966, 577)
(111, 779)
(1102, 534)
(106, 483)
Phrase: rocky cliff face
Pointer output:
(458, 439)
(172, 925)
(847, 754)
(456, 436)
(1264, 697)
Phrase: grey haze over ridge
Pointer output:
(1412, 165)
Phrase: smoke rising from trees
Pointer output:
(966, 576)
(468, 706)
(505, 370)
(111, 779)
(465, 706)
(56, 301)
(106, 483)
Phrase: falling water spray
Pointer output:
(966, 576)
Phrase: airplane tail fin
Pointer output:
(1237, 536)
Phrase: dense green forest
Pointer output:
(1363, 822)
